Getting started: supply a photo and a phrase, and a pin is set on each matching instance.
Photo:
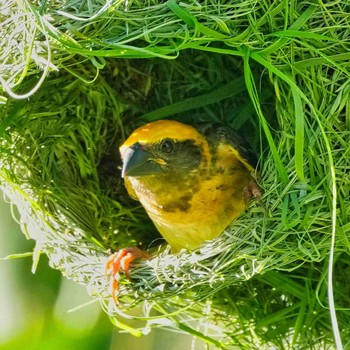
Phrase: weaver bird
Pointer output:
(192, 182)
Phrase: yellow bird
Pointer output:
(192, 182)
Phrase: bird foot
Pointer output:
(121, 260)
(253, 190)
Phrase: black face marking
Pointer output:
(178, 156)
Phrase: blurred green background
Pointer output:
(36, 309)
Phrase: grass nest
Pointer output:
(77, 78)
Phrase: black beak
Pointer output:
(138, 162)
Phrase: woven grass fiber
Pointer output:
(78, 76)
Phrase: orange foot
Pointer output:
(122, 260)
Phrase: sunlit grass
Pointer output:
(277, 72)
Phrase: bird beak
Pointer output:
(137, 161)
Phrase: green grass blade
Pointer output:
(11, 114)
(18, 256)
(289, 33)
(191, 21)
(117, 323)
(231, 89)
(249, 80)
(302, 19)
(200, 335)
(299, 134)
(284, 283)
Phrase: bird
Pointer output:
(192, 180)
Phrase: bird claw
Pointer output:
(252, 191)
(255, 190)
(121, 260)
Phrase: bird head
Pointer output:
(161, 147)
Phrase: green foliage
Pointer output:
(276, 71)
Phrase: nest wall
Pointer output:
(277, 72)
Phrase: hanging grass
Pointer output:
(78, 77)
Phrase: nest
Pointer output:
(277, 72)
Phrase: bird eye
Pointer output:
(167, 146)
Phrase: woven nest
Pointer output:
(276, 72)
